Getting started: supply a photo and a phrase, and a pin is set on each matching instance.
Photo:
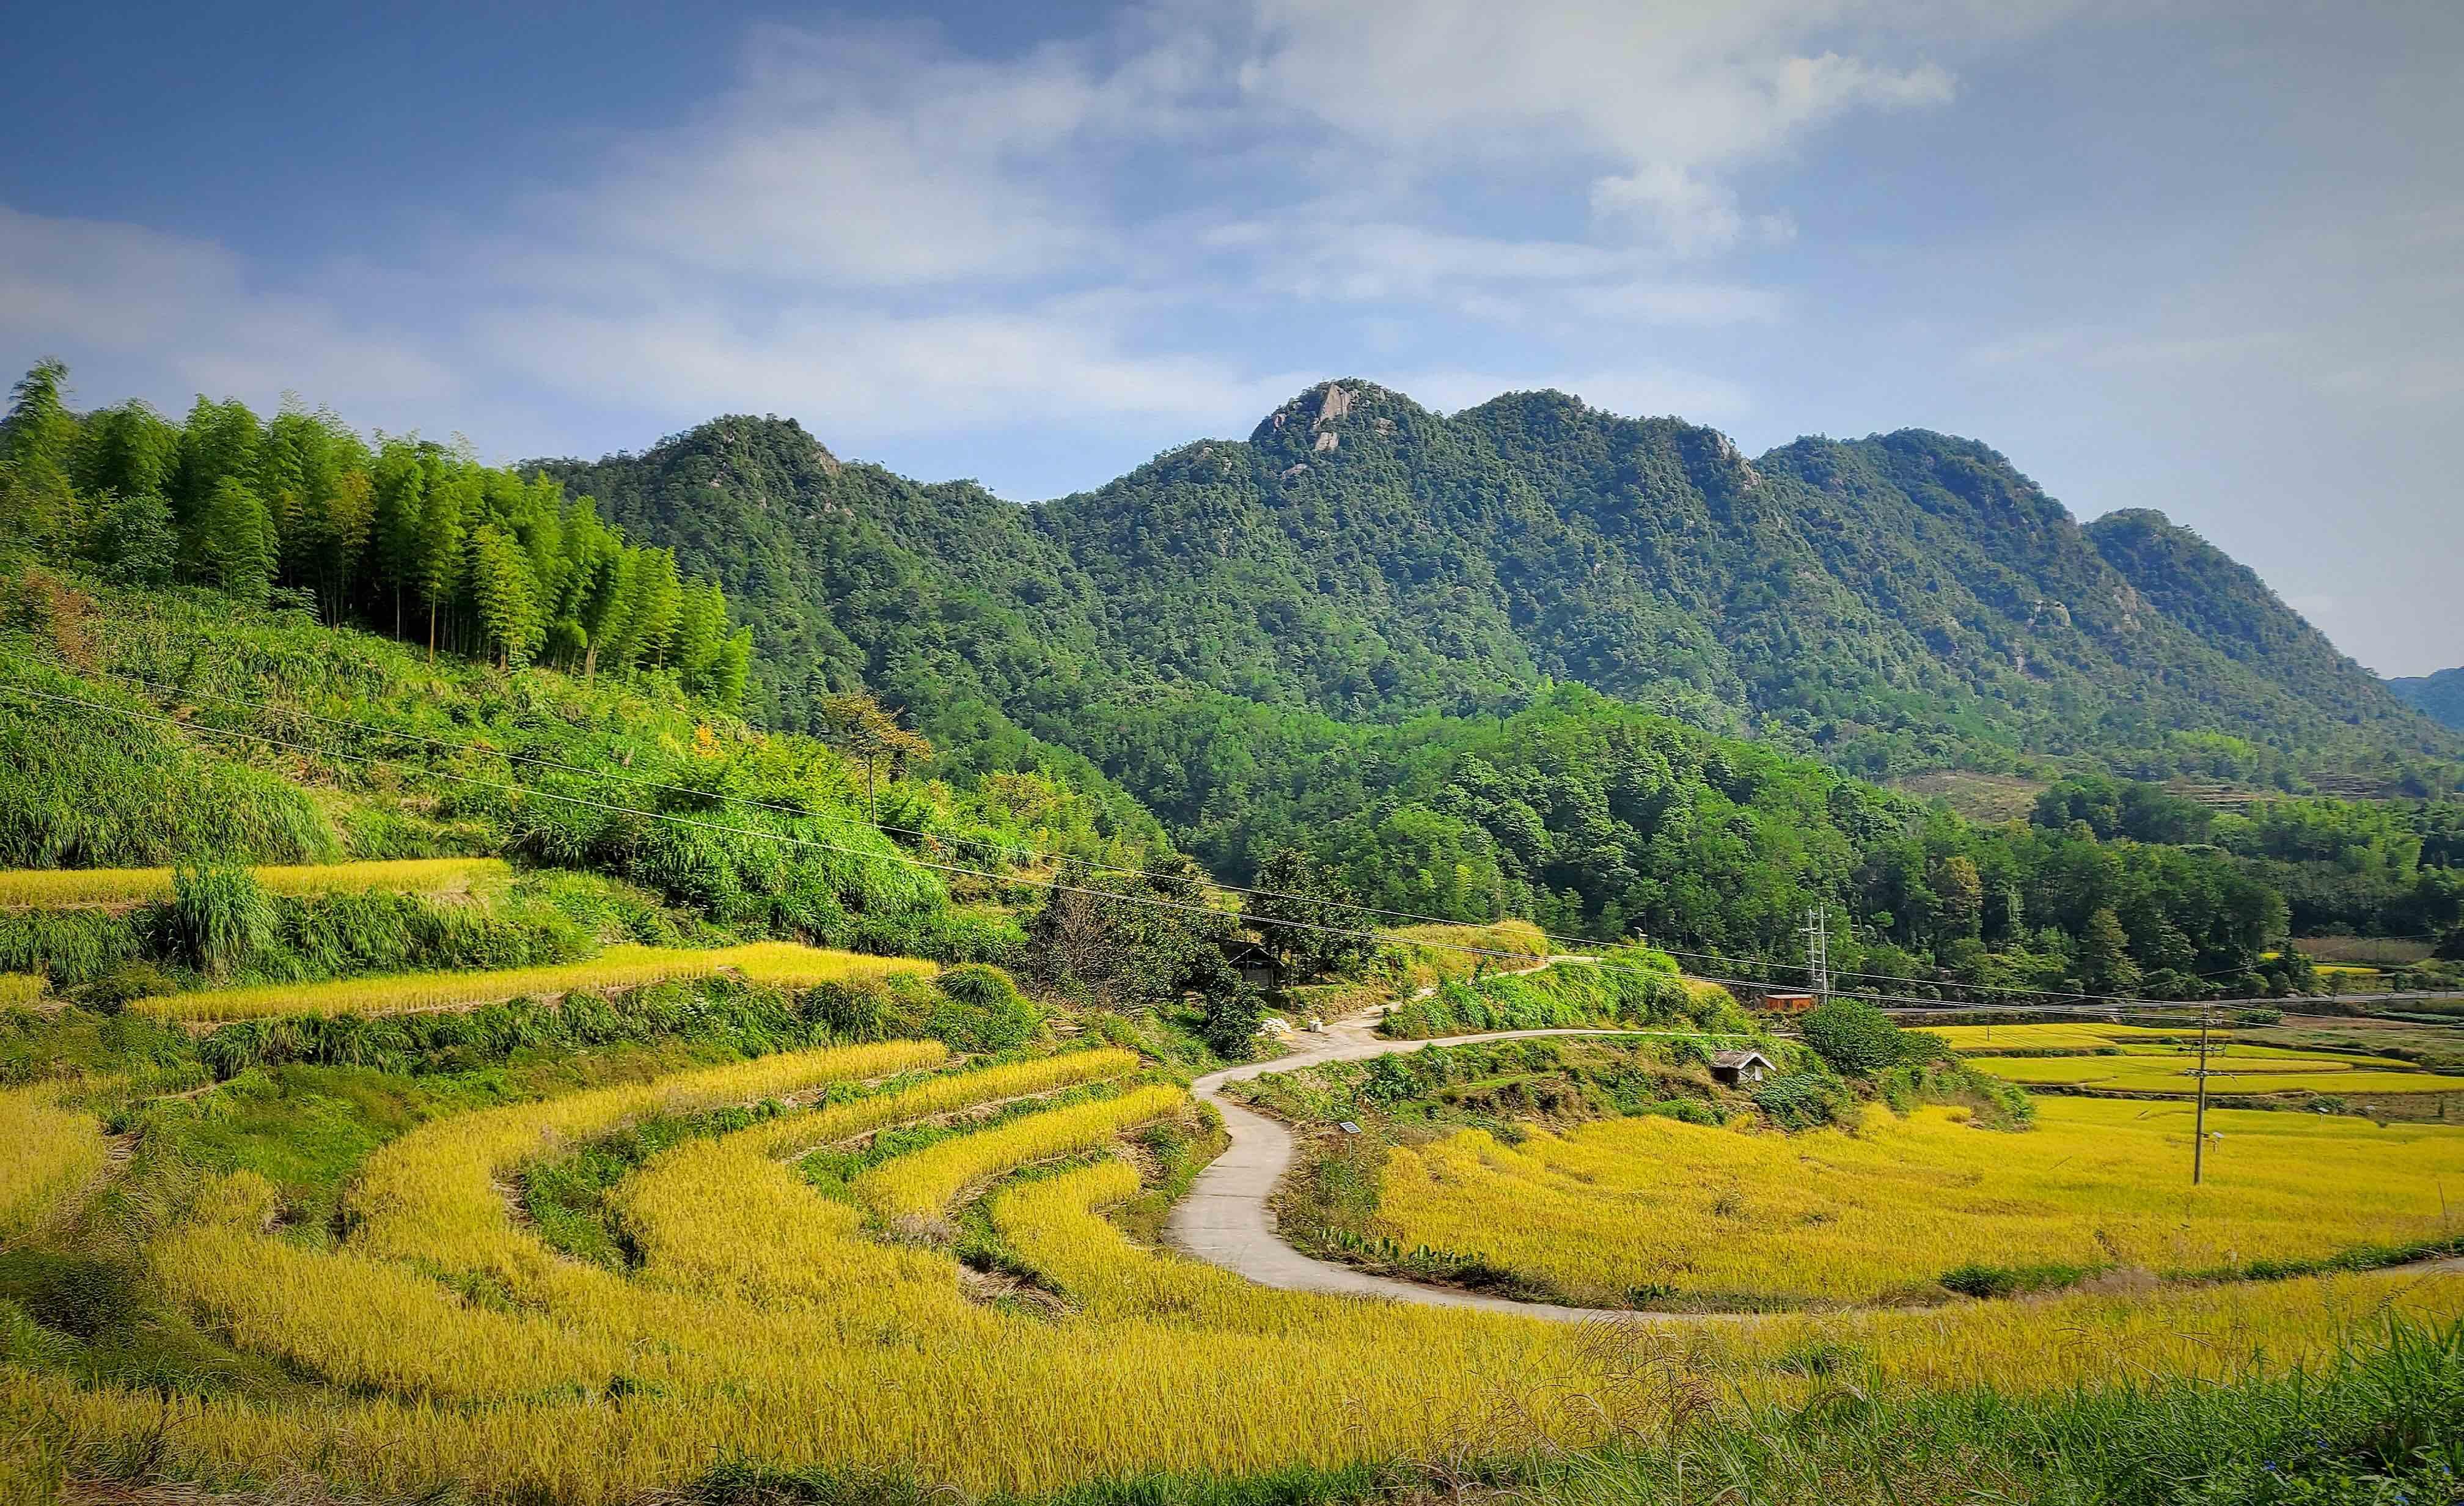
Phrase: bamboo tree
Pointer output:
(440, 541)
(37, 444)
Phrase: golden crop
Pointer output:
(769, 1323)
(777, 964)
(2058, 1036)
(926, 1182)
(2179, 1075)
(45, 888)
(17, 990)
(1719, 1217)
(47, 1153)
(2129, 1058)
(798, 1134)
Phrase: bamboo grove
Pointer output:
(404, 535)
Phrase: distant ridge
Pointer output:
(2439, 696)
(1900, 602)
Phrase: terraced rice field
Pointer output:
(47, 1153)
(777, 964)
(1678, 1214)
(769, 1322)
(115, 888)
(2126, 1059)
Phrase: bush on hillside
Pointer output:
(1636, 988)
(1852, 1037)
(1802, 1101)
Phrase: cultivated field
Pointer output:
(114, 888)
(2142, 1059)
(1666, 1213)
(47, 1153)
(436, 1338)
(777, 964)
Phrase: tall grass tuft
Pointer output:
(217, 920)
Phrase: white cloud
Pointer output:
(880, 375)
(169, 316)
(861, 156)
(1661, 97)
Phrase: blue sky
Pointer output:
(2204, 257)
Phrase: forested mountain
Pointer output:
(2439, 696)
(1902, 601)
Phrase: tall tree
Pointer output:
(36, 443)
(501, 588)
(868, 732)
(235, 546)
(451, 491)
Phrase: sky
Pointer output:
(2205, 258)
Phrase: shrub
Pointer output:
(982, 1010)
(1852, 1037)
(1231, 1024)
(1800, 1101)
(217, 920)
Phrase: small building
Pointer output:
(1258, 966)
(1740, 1068)
(1787, 1002)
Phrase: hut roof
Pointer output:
(1740, 1059)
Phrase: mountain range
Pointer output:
(1904, 602)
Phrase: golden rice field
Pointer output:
(1721, 1217)
(47, 1153)
(59, 888)
(923, 1182)
(2345, 1077)
(768, 1322)
(2130, 1058)
(17, 990)
(2085, 1035)
(784, 965)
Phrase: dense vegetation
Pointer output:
(167, 726)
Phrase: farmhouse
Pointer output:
(1736, 1069)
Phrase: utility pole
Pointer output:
(2199, 1120)
(1817, 953)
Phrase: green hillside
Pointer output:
(2439, 696)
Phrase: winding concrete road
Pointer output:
(1226, 1218)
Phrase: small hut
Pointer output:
(1258, 966)
(1740, 1068)
(1787, 1002)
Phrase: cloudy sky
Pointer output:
(2204, 257)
